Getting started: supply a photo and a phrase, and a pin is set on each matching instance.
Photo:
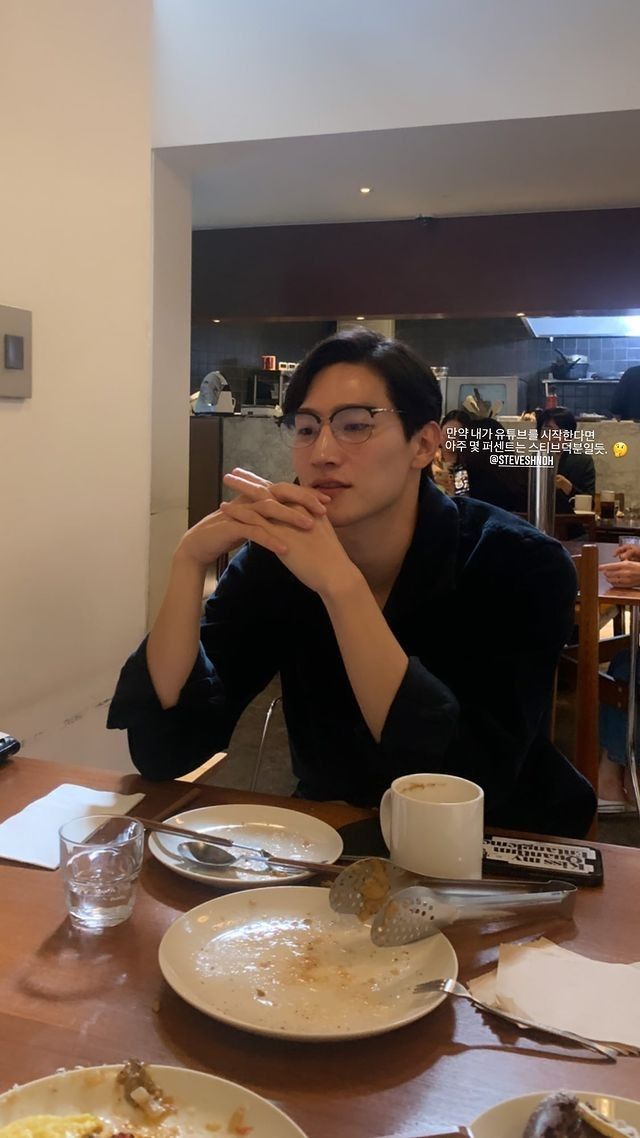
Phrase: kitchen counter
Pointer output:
(220, 442)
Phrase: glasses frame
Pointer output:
(321, 420)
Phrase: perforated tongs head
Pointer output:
(419, 912)
(407, 907)
(362, 888)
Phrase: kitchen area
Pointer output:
(516, 364)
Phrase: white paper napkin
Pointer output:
(32, 835)
(545, 983)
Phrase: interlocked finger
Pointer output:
(248, 486)
(256, 513)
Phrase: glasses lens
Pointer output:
(353, 425)
(299, 430)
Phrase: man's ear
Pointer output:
(426, 441)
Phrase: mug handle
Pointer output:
(385, 817)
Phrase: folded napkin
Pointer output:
(545, 983)
(32, 835)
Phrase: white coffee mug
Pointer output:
(582, 502)
(434, 824)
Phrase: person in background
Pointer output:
(503, 486)
(374, 596)
(626, 401)
(452, 449)
(614, 790)
(576, 472)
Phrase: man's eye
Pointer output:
(355, 427)
(304, 432)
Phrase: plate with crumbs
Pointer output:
(280, 962)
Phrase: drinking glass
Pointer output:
(100, 857)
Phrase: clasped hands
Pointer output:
(625, 572)
(288, 520)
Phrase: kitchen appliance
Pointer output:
(215, 396)
(508, 390)
(569, 367)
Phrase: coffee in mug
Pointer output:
(434, 824)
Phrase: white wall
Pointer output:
(75, 200)
(243, 69)
(171, 371)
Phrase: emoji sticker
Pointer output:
(620, 449)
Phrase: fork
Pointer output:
(610, 1051)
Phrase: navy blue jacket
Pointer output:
(482, 606)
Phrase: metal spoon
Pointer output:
(207, 854)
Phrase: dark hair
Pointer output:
(563, 418)
(411, 385)
(459, 415)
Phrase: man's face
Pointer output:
(363, 479)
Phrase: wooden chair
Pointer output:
(581, 663)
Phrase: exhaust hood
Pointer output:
(551, 326)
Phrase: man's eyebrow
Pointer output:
(339, 407)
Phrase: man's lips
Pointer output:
(331, 484)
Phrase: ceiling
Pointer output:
(571, 162)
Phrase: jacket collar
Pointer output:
(429, 567)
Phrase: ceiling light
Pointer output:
(365, 189)
(361, 318)
(521, 314)
(215, 320)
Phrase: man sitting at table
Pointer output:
(412, 633)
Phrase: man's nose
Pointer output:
(326, 447)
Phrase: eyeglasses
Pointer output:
(348, 425)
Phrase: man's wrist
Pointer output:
(347, 584)
(184, 561)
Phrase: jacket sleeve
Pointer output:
(237, 658)
(581, 472)
(481, 723)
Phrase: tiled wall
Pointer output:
(478, 347)
(607, 355)
(242, 345)
(466, 347)
(503, 347)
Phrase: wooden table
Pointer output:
(74, 998)
(616, 527)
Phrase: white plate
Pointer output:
(280, 962)
(201, 1101)
(582, 513)
(287, 832)
(509, 1118)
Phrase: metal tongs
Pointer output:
(407, 907)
